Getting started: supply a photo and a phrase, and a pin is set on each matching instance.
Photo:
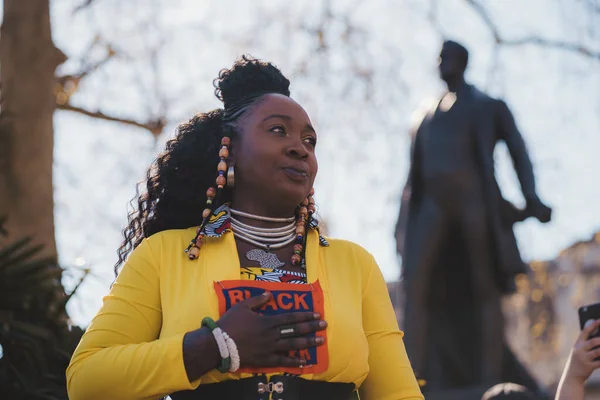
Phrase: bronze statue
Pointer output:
(455, 235)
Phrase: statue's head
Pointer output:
(453, 60)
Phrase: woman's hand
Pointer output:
(580, 365)
(258, 338)
(581, 361)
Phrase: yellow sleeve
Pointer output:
(120, 355)
(390, 375)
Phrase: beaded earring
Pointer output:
(193, 249)
(305, 211)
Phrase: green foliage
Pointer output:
(36, 337)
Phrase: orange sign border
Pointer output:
(319, 307)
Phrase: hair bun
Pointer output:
(249, 76)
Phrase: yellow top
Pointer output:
(133, 346)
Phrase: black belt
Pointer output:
(258, 388)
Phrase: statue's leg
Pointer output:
(425, 243)
(478, 241)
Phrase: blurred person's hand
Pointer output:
(582, 361)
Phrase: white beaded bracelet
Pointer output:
(233, 352)
(221, 342)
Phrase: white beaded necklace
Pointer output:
(264, 238)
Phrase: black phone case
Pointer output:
(591, 311)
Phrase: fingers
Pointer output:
(592, 354)
(305, 328)
(300, 339)
(298, 343)
(256, 302)
(292, 318)
(588, 329)
(591, 343)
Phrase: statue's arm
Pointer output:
(516, 146)
(401, 223)
(509, 132)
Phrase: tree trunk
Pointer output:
(28, 60)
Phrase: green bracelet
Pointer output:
(209, 323)
(225, 361)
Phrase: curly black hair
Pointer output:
(177, 180)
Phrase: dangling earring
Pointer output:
(230, 176)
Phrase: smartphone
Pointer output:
(587, 315)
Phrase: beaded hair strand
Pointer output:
(193, 249)
(304, 214)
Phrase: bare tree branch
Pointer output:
(572, 47)
(67, 85)
(82, 6)
(155, 127)
(555, 44)
(91, 67)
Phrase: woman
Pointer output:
(258, 304)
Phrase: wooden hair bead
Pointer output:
(297, 247)
(296, 259)
(199, 240)
(221, 181)
(300, 230)
(304, 202)
(223, 153)
(222, 166)
(193, 253)
(211, 192)
(206, 213)
(303, 211)
(226, 141)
